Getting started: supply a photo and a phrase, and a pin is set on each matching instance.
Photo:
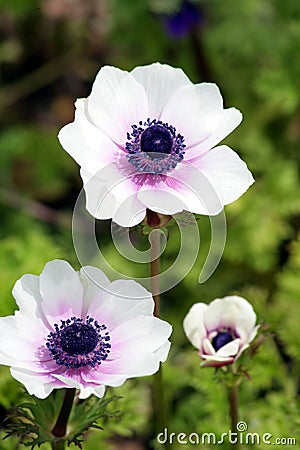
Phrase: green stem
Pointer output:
(159, 398)
(60, 428)
(234, 415)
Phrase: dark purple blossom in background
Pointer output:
(182, 22)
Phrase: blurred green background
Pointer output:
(50, 52)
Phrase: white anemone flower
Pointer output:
(222, 330)
(71, 333)
(147, 139)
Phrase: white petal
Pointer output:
(111, 193)
(193, 324)
(229, 120)
(195, 111)
(35, 384)
(230, 349)
(61, 291)
(226, 172)
(139, 334)
(132, 365)
(127, 300)
(252, 333)
(85, 392)
(241, 350)
(161, 199)
(207, 347)
(160, 81)
(26, 291)
(95, 285)
(216, 361)
(117, 101)
(198, 192)
(132, 290)
(130, 213)
(185, 188)
(68, 381)
(20, 339)
(86, 143)
(232, 311)
(104, 375)
(163, 351)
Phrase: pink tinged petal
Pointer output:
(117, 101)
(71, 378)
(39, 385)
(86, 143)
(95, 285)
(104, 374)
(161, 199)
(193, 324)
(26, 291)
(76, 381)
(211, 361)
(20, 338)
(198, 192)
(126, 300)
(226, 172)
(195, 111)
(185, 188)
(160, 81)
(61, 291)
(139, 334)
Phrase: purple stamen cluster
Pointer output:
(154, 147)
(78, 343)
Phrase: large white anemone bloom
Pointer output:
(146, 139)
(70, 333)
(222, 330)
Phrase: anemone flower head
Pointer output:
(146, 139)
(79, 330)
(222, 330)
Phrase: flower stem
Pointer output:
(60, 428)
(160, 406)
(234, 415)
(155, 271)
(159, 398)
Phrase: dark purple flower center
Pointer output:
(79, 343)
(221, 339)
(156, 139)
(154, 147)
(78, 338)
